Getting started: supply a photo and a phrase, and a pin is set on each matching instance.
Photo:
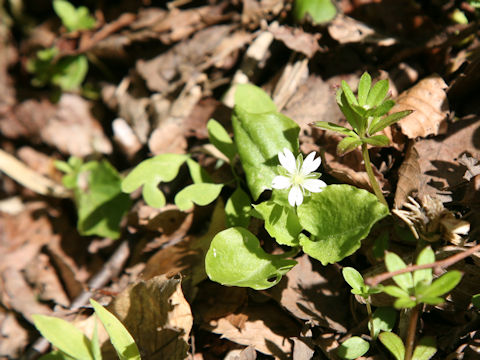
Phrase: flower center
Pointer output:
(297, 179)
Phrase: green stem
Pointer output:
(370, 318)
(412, 329)
(371, 176)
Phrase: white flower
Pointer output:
(299, 176)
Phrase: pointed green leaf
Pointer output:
(69, 72)
(363, 88)
(281, 222)
(201, 194)
(476, 301)
(353, 348)
(150, 173)
(355, 121)
(73, 18)
(347, 91)
(382, 109)
(259, 139)
(377, 93)
(253, 99)
(334, 127)
(404, 303)
(120, 338)
(384, 319)
(395, 291)
(219, 137)
(96, 350)
(377, 140)
(235, 258)
(334, 237)
(56, 355)
(238, 209)
(348, 144)
(64, 336)
(443, 284)
(353, 278)
(426, 256)
(394, 344)
(426, 348)
(395, 262)
(387, 121)
(432, 300)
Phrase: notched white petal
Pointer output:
(295, 196)
(280, 182)
(287, 160)
(314, 185)
(310, 164)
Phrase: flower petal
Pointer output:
(287, 160)
(309, 164)
(314, 185)
(281, 182)
(295, 196)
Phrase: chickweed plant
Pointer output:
(274, 183)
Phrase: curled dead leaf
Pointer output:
(429, 103)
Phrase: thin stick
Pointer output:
(437, 265)
(412, 329)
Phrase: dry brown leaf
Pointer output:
(13, 337)
(440, 171)
(296, 39)
(429, 103)
(74, 130)
(409, 177)
(266, 328)
(157, 315)
(311, 295)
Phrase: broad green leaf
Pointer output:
(394, 262)
(200, 194)
(443, 284)
(253, 99)
(348, 144)
(404, 303)
(149, 173)
(336, 236)
(281, 222)
(363, 88)
(320, 11)
(426, 348)
(394, 344)
(377, 140)
(237, 209)
(353, 348)
(426, 256)
(73, 18)
(384, 319)
(334, 127)
(69, 72)
(353, 278)
(199, 175)
(395, 291)
(377, 93)
(100, 202)
(476, 301)
(387, 121)
(235, 258)
(64, 336)
(120, 338)
(219, 137)
(259, 139)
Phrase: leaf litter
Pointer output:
(159, 73)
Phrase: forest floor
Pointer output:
(157, 72)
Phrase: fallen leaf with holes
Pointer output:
(429, 103)
(158, 317)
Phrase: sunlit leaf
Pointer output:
(200, 194)
(219, 137)
(394, 262)
(394, 344)
(377, 93)
(426, 256)
(384, 319)
(320, 11)
(253, 99)
(353, 348)
(237, 209)
(235, 258)
(425, 349)
(443, 284)
(363, 88)
(334, 127)
(353, 278)
(348, 144)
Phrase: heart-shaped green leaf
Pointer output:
(200, 194)
(237, 209)
(259, 139)
(219, 137)
(338, 219)
(149, 173)
(253, 99)
(235, 258)
(281, 222)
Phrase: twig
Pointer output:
(109, 270)
(29, 178)
(412, 329)
(437, 265)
